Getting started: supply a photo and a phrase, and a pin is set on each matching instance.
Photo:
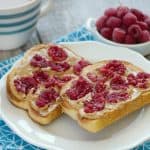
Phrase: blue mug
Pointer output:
(17, 23)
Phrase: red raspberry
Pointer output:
(145, 36)
(140, 16)
(106, 72)
(66, 78)
(80, 88)
(142, 80)
(25, 84)
(147, 20)
(115, 97)
(118, 83)
(121, 11)
(46, 97)
(50, 83)
(118, 35)
(135, 31)
(100, 86)
(99, 96)
(59, 67)
(57, 53)
(93, 106)
(40, 76)
(132, 80)
(129, 39)
(143, 75)
(110, 12)
(113, 22)
(139, 81)
(106, 33)
(59, 82)
(142, 25)
(92, 77)
(101, 22)
(113, 67)
(77, 68)
(129, 19)
(38, 61)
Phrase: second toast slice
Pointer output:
(104, 93)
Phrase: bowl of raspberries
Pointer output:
(123, 26)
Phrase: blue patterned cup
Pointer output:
(18, 22)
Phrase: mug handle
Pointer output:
(45, 7)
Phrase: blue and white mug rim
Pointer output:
(19, 8)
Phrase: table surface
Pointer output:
(66, 15)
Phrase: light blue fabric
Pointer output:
(8, 139)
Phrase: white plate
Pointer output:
(143, 48)
(64, 133)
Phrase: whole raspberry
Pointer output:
(135, 31)
(129, 39)
(118, 35)
(147, 20)
(121, 11)
(143, 25)
(110, 12)
(145, 36)
(101, 22)
(140, 16)
(113, 22)
(129, 19)
(106, 32)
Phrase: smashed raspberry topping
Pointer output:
(93, 77)
(96, 104)
(38, 61)
(113, 67)
(118, 83)
(93, 106)
(40, 76)
(143, 75)
(139, 81)
(99, 96)
(132, 79)
(59, 67)
(51, 82)
(46, 97)
(57, 53)
(56, 81)
(25, 84)
(59, 82)
(77, 68)
(114, 97)
(66, 78)
(100, 85)
(142, 80)
(80, 88)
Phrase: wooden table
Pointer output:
(66, 15)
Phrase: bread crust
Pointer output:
(21, 101)
(44, 120)
(110, 117)
(95, 125)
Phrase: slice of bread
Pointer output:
(24, 86)
(101, 106)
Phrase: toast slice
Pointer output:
(34, 83)
(104, 93)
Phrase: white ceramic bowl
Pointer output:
(143, 48)
(64, 133)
